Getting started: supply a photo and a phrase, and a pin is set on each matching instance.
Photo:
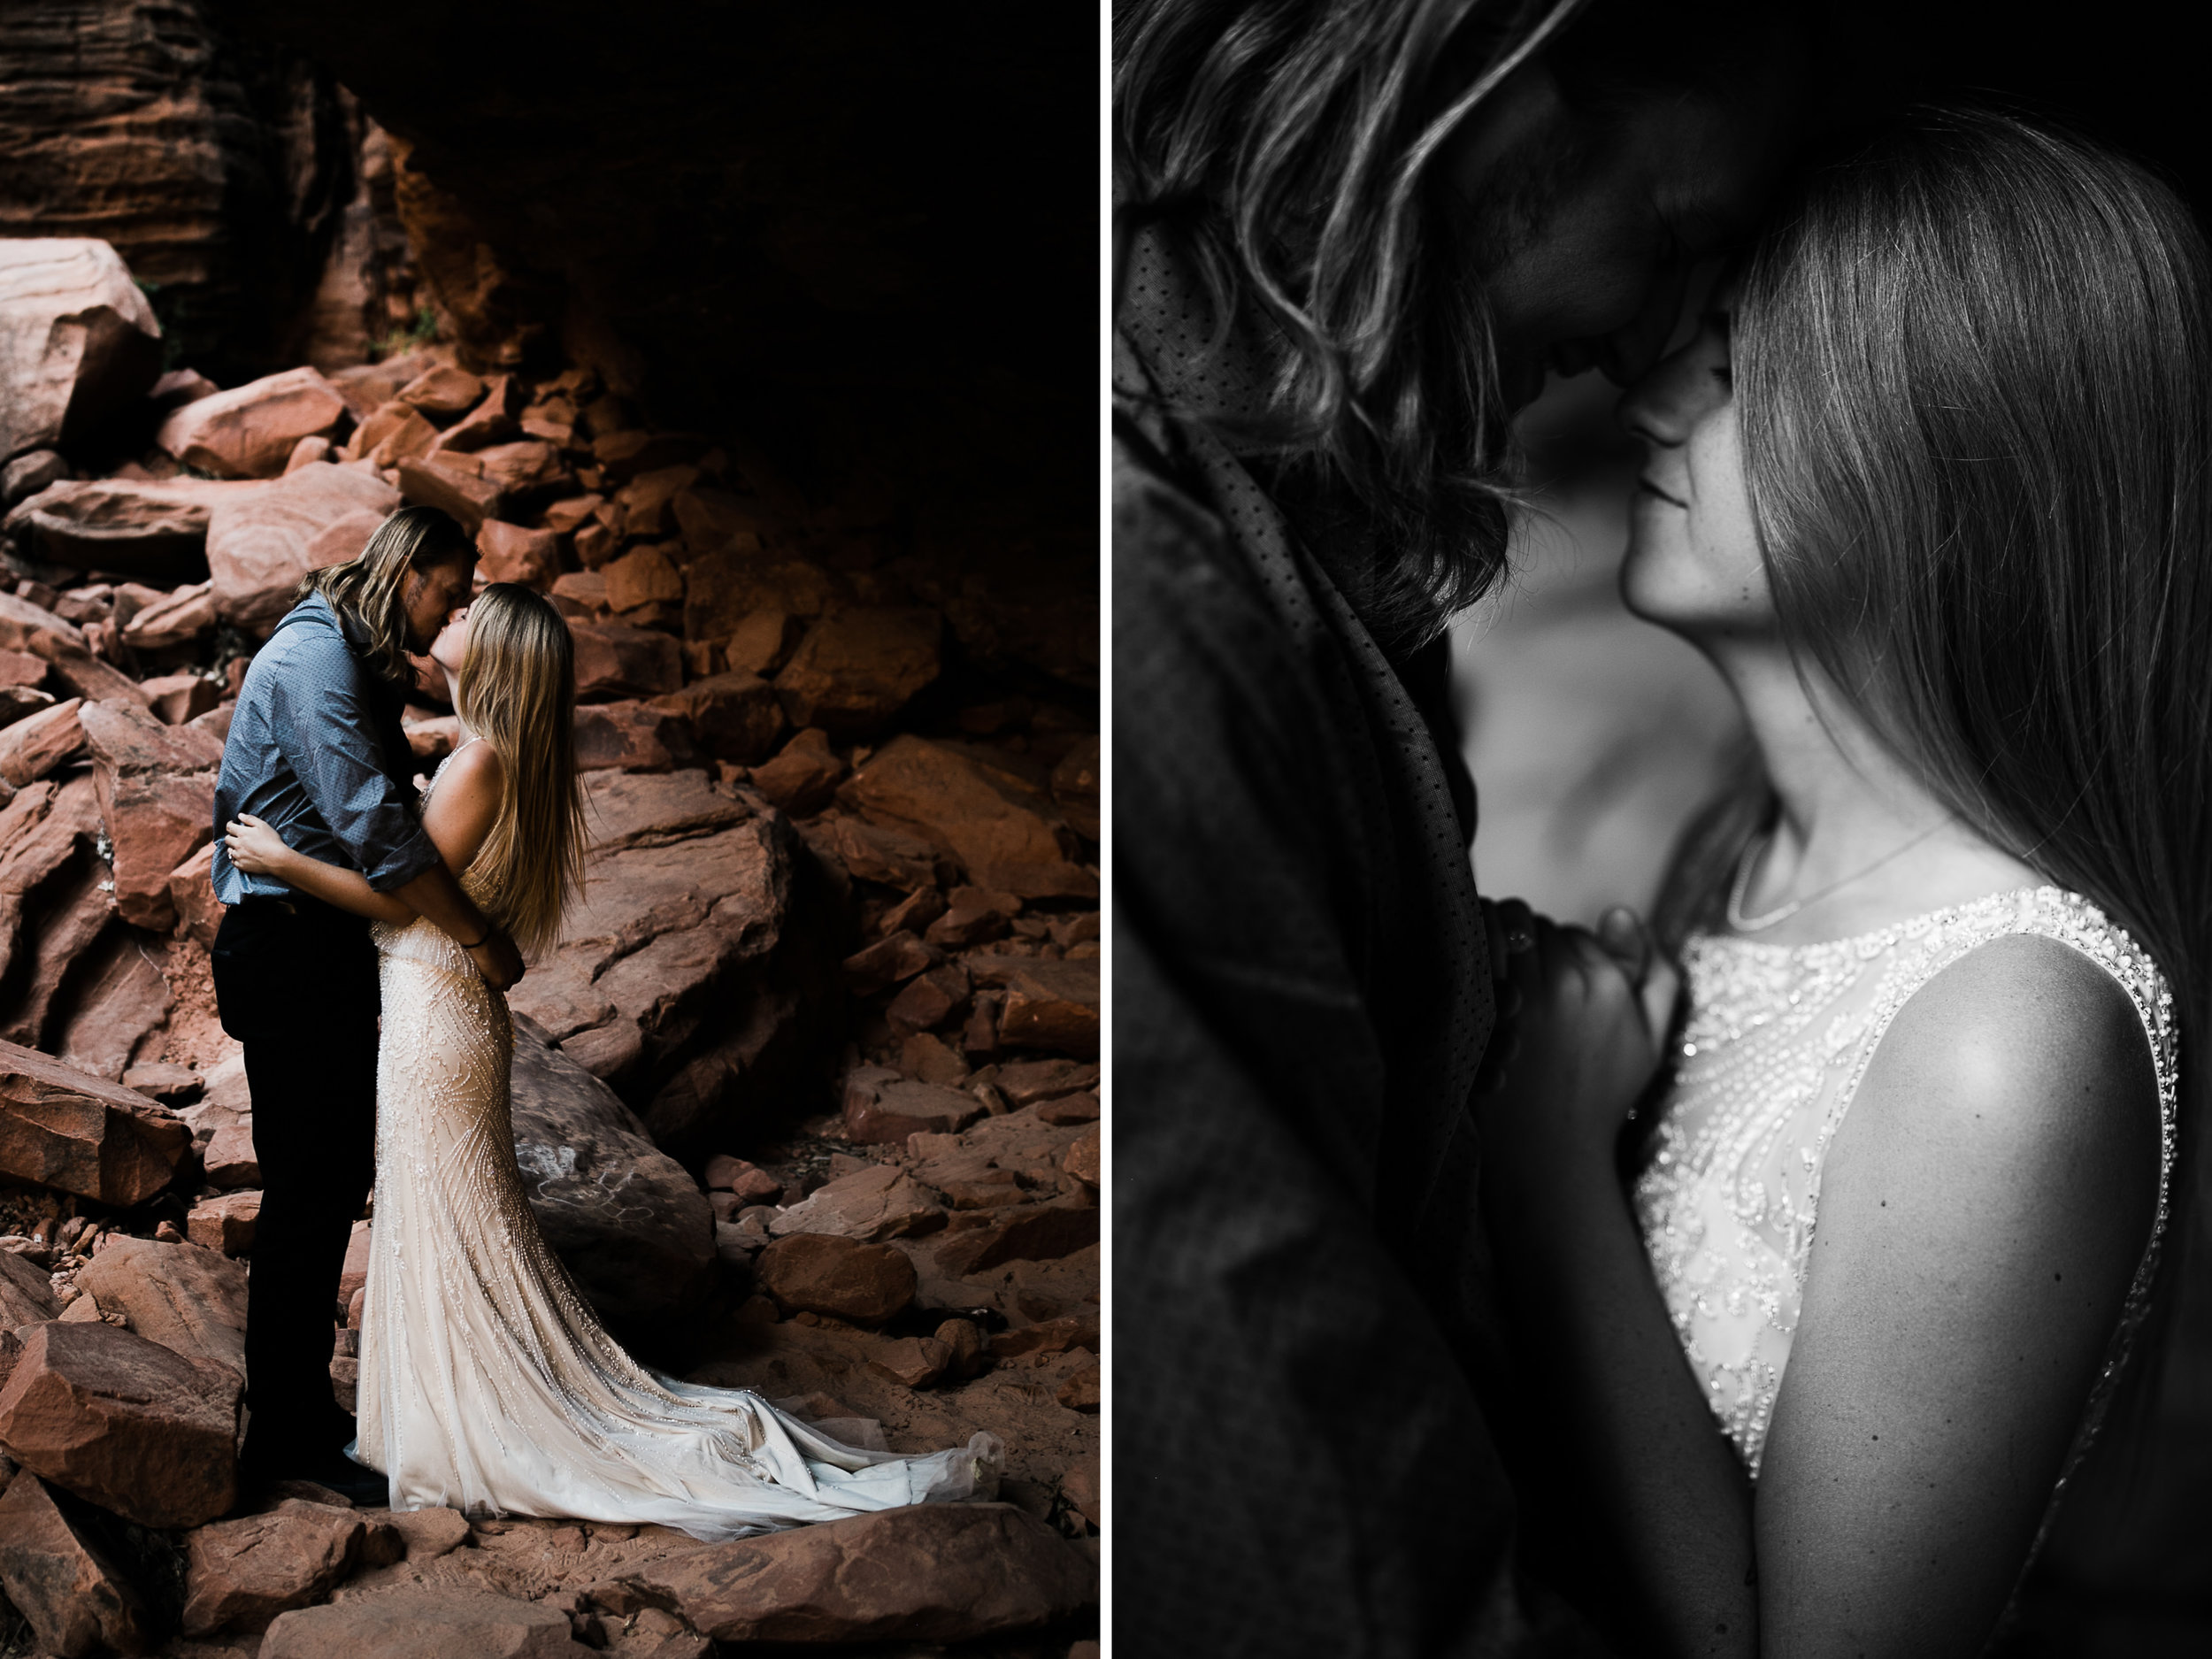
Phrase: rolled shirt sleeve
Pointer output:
(324, 728)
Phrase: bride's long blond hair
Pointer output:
(518, 692)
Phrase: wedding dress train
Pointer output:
(488, 1384)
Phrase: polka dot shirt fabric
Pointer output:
(1304, 1329)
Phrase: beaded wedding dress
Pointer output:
(1777, 1039)
(488, 1384)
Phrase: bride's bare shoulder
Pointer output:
(475, 768)
(2023, 1060)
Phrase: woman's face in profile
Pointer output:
(1693, 563)
(452, 646)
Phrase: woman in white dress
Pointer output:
(1930, 487)
(487, 1383)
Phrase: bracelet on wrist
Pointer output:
(488, 935)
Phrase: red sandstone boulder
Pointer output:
(155, 530)
(644, 577)
(19, 703)
(173, 620)
(251, 431)
(803, 775)
(230, 1160)
(973, 916)
(32, 746)
(241, 1574)
(26, 1294)
(156, 786)
(872, 1204)
(226, 1223)
(176, 699)
(1006, 834)
(883, 1109)
(763, 641)
(191, 1300)
(688, 978)
(491, 421)
(614, 660)
(933, 1572)
(443, 391)
(749, 1182)
(426, 1623)
(74, 1598)
(117, 996)
(259, 546)
(631, 737)
(733, 717)
(871, 852)
(192, 894)
(648, 499)
(814, 1272)
(855, 670)
(78, 340)
(1049, 1005)
(1080, 1392)
(123, 1422)
(1027, 1082)
(396, 432)
(1033, 1232)
(524, 471)
(62, 1128)
(912, 1362)
(928, 1000)
(458, 489)
(896, 957)
(509, 553)
(1082, 1160)
(1047, 1336)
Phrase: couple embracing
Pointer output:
(365, 948)
(1758, 1282)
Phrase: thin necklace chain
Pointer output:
(1743, 923)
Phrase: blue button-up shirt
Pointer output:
(310, 753)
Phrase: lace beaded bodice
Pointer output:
(1777, 1041)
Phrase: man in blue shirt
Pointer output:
(316, 750)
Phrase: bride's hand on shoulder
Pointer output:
(253, 847)
(1583, 1021)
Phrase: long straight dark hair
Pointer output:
(1972, 361)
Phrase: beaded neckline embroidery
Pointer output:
(1777, 1041)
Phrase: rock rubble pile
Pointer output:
(807, 1097)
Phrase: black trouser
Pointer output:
(297, 983)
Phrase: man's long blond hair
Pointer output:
(372, 587)
(518, 692)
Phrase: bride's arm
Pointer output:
(459, 816)
(257, 849)
(1982, 1212)
(1983, 1207)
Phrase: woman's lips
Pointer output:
(1673, 501)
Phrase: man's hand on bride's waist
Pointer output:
(497, 960)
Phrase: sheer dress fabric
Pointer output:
(1777, 1041)
(488, 1384)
